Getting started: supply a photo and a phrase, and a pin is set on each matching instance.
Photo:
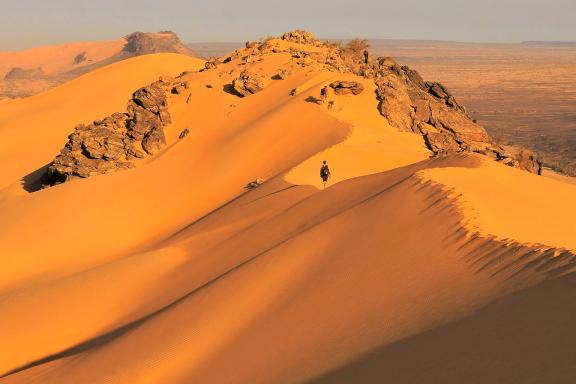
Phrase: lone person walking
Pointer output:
(323, 94)
(325, 173)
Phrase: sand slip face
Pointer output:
(516, 205)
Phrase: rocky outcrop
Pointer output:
(406, 101)
(117, 141)
(301, 37)
(18, 73)
(409, 103)
(347, 87)
(248, 83)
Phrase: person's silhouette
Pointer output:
(324, 173)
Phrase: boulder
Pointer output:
(248, 83)
(153, 141)
(254, 184)
(347, 87)
(212, 63)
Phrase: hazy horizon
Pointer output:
(31, 24)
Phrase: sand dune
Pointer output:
(58, 59)
(173, 272)
(31, 71)
(33, 130)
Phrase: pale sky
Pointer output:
(27, 23)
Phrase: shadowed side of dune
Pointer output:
(522, 338)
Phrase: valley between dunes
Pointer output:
(407, 268)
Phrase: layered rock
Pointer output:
(117, 141)
(248, 83)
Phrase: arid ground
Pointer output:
(521, 93)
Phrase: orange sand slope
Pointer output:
(33, 130)
(172, 272)
(59, 58)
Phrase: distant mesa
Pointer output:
(140, 43)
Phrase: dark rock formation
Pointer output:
(140, 43)
(18, 73)
(347, 87)
(248, 83)
(118, 140)
(410, 104)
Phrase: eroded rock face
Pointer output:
(115, 142)
(248, 83)
(347, 87)
(410, 104)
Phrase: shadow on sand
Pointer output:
(525, 337)
(32, 182)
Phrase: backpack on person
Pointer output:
(324, 172)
